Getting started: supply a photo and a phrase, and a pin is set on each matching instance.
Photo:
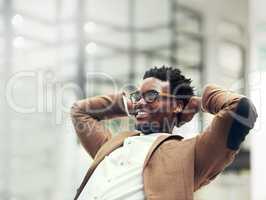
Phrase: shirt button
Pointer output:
(109, 180)
(95, 197)
(122, 163)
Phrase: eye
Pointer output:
(151, 96)
(135, 97)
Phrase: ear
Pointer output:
(191, 109)
(179, 107)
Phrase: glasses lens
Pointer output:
(151, 96)
(135, 96)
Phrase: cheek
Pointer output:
(162, 108)
(157, 108)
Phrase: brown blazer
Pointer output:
(174, 168)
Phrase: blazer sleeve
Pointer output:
(217, 145)
(88, 115)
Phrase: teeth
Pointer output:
(142, 113)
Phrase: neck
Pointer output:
(149, 128)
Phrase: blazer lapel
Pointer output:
(157, 142)
(113, 144)
(168, 173)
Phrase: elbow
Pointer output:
(74, 114)
(246, 113)
(77, 111)
(244, 119)
(78, 121)
(74, 110)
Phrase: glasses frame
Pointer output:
(159, 94)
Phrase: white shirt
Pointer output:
(119, 175)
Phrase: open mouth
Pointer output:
(141, 114)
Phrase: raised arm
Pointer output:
(87, 116)
(217, 146)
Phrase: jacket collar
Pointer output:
(157, 142)
(114, 143)
(118, 140)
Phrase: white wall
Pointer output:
(258, 93)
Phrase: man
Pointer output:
(151, 163)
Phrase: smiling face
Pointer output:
(159, 115)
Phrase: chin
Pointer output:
(142, 122)
(147, 127)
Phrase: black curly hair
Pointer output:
(180, 86)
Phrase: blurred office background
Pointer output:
(55, 51)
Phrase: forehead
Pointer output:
(154, 84)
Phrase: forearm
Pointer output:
(217, 145)
(238, 109)
(215, 99)
(101, 107)
(87, 116)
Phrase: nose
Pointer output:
(140, 103)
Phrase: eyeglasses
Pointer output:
(149, 96)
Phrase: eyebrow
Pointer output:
(146, 91)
